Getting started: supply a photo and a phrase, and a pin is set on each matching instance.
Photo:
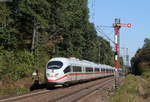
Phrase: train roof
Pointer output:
(80, 62)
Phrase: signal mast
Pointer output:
(117, 25)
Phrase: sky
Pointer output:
(135, 12)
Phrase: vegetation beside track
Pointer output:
(61, 29)
(133, 89)
(141, 61)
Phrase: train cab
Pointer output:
(54, 72)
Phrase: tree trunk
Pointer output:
(33, 38)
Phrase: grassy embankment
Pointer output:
(11, 87)
(134, 89)
(16, 71)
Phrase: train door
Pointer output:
(74, 73)
(71, 74)
(79, 70)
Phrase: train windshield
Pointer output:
(54, 65)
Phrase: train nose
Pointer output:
(52, 76)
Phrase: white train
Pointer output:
(64, 71)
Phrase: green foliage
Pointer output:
(62, 29)
(133, 89)
(16, 64)
(146, 74)
(128, 92)
(14, 90)
(141, 56)
(7, 33)
(4, 14)
(20, 90)
(7, 37)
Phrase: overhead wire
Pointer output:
(102, 32)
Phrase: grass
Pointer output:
(134, 89)
(11, 87)
(21, 90)
(17, 87)
(146, 74)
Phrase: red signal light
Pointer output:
(129, 25)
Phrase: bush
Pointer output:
(146, 74)
(20, 90)
(20, 64)
(16, 64)
(127, 92)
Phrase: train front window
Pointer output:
(54, 65)
(68, 69)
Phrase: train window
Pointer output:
(54, 65)
(88, 69)
(77, 69)
(97, 70)
(68, 69)
(103, 70)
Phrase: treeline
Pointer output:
(141, 61)
(32, 31)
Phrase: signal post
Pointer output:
(117, 25)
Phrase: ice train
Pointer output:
(64, 71)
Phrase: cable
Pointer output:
(102, 32)
(106, 26)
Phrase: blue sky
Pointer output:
(136, 12)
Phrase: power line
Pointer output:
(102, 32)
(106, 26)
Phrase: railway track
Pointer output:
(79, 94)
(72, 93)
(18, 97)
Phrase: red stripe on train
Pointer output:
(58, 78)
(75, 74)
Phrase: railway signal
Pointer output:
(117, 25)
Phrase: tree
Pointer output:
(30, 16)
(142, 55)
(7, 34)
(48, 28)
